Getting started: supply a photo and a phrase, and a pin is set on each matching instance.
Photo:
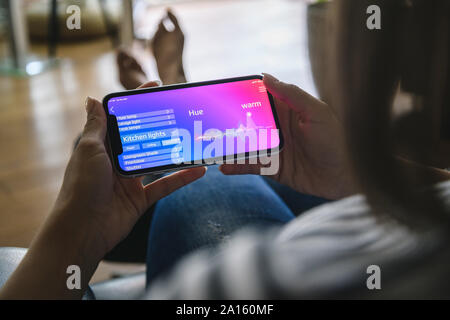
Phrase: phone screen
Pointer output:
(165, 127)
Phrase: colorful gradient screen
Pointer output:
(191, 124)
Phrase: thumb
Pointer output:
(95, 127)
(293, 96)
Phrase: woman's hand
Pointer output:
(109, 204)
(313, 159)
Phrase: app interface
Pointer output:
(190, 124)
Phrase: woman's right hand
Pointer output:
(313, 159)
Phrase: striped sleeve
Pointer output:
(318, 255)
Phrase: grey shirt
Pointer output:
(324, 253)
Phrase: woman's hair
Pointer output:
(410, 52)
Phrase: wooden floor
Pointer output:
(40, 116)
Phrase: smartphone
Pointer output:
(167, 128)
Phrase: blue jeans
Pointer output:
(206, 212)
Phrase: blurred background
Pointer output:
(47, 70)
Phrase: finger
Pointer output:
(296, 98)
(236, 169)
(95, 127)
(173, 18)
(154, 83)
(168, 184)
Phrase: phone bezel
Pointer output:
(115, 144)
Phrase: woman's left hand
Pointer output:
(95, 209)
(109, 204)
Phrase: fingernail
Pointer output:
(88, 104)
(159, 82)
